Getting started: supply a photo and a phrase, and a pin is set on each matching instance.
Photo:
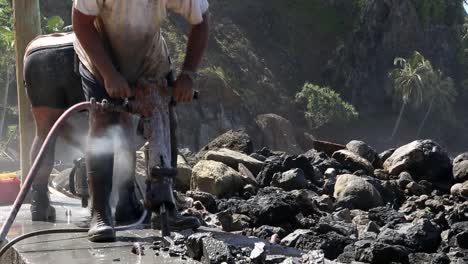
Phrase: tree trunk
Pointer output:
(27, 26)
(397, 124)
(5, 101)
(425, 117)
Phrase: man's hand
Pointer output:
(116, 86)
(183, 89)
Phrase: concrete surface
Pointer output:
(76, 249)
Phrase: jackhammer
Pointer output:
(162, 185)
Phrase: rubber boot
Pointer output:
(176, 220)
(100, 186)
(41, 210)
(128, 209)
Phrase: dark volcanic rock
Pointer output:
(331, 243)
(386, 216)
(423, 235)
(457, 234)
(322, 161)
(460, 167)
(194, 245)
(290, 180)
(380, 253)
(273, 164)
(207, 199)
(271, 206)
(386, 154)
(266, 231)
(423, 159)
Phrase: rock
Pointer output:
(330, 173)
(415, 189)
(353, 162)
(215, 251)
(357, 192)
(290, 180)
(386, 216)
(460, 167)
(423, 235)
(404, 179)
(423, 159)
(236, 140)
(233, 222)
(247, 175)
(392, 237)
(292, 239)
(233, 158)
(258, 254)
(365, 151)
(372, 227)
(381, 253)
(215, 178)
(184, 174)
(273, 164)
(386, 154)
(277, 133)
(271, 206)
(382, 175)
(207, 199)
(457, 235)
(322, 161)
(266, 231)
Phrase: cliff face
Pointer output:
(261, 52)
(389, 29)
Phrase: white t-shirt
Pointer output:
(133, 31)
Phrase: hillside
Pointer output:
(262, 52)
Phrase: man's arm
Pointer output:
(85, 31)
(197, 42)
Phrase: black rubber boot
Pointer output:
(41, 210)
(100, 186)
(176, 220)
(128, 209)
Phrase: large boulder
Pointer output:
(233, 158)
(237, 140)
(216, 178)
(365, 151)
(353, 161)
(278, 133)
(460, 167)
(423, 159)
(184, 174)
(356, 192)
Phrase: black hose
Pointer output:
(66, 231)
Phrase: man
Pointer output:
(51, 91)
(121, 48)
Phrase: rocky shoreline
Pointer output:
(405, 205)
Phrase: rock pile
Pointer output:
(405, 205)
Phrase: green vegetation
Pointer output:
(440, 11)
(325, 106)
(417, 83)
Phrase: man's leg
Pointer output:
(99, 165)
(44, 117)
(128, 207)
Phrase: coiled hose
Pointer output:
(30, 179)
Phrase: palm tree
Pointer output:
(441, 94)
(408, 80)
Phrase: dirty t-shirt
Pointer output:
(131, 29)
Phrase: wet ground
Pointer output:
(76, 249)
